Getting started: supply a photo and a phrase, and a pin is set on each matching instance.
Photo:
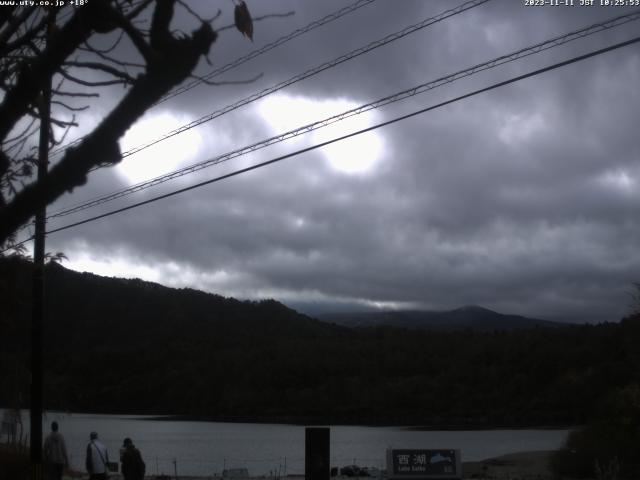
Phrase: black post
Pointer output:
(37, 314)
(316, 458)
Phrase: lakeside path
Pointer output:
(521, 465)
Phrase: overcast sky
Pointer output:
(524, 200)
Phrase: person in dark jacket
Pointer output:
(133, 468)
(55, 454)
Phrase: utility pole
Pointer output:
(37, 314)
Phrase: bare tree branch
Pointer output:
(32, 77)
(87, 83)
(13, 24)
(195, 14)
(29, 36)
(91, 48)
(102, 67)
(62, 93)
(136, 37)
(64, 135)
(19, 135)
(69, 107)
(33, 60)
(108, 58)
(137, 10)
(171, 62)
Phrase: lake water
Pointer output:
(205, 448)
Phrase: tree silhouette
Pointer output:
(40, 45)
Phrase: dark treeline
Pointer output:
(116, 345)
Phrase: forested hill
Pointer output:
(468, 317)
(129, 346)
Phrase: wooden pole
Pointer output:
(37, 313)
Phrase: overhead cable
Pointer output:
(359, 132)
(309, 73)
(404, 94)
(269, 46)
(251, 55)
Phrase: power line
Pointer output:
(270, 46)
(344, 137)
(314, 147)
(251, 55)
(542, 46)
(314, 71)
(309, 73)
(355, 53)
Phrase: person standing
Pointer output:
(55, 454)
(97, 458)
(133, 468)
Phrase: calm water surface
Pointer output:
(205, 448)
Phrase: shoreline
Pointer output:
(523, 465)
(407, 423)
(328, 422)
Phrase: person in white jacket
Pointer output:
(97, 458)
(55, 454)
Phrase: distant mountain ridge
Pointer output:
(470, 317)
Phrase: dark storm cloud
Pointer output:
(524, 199)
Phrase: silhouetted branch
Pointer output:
(64, 135)
(62, 93)
(196, 15)
(113, 60)
(87, 83)
(137, 10)
(32, 77)
(19, 135)
(28, 37)
(169, 62)
(13, 24)
(37, 51)
(102, 67)
(69, 107)
(91, 48)
(135, 36)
